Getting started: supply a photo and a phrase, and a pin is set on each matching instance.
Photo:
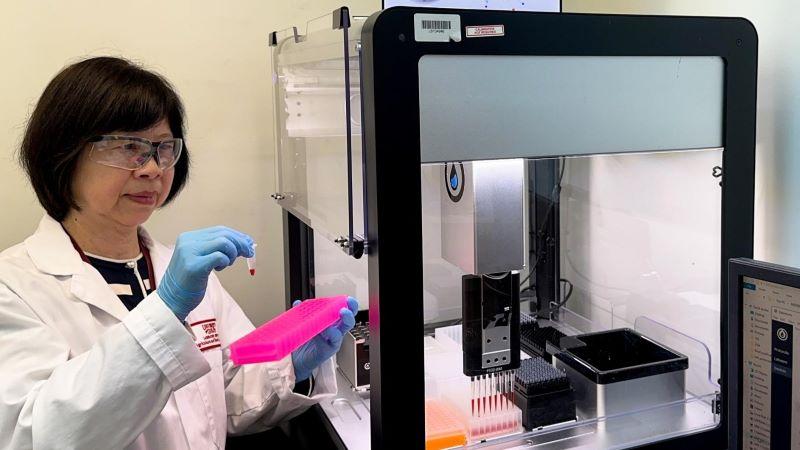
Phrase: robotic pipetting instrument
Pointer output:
(533, 272)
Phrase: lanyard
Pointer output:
(142, 248)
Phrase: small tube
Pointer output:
(251, 262)
(472, 400)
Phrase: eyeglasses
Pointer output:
(132, 153)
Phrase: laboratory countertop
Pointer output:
(329, 425)
(348, 413)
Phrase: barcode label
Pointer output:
(436, 24)
(437, 27)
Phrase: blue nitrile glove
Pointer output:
(196, 254)
(324, 345)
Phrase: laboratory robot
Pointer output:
(535, 210)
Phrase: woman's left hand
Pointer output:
(324, 345)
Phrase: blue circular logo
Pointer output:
(454, 180)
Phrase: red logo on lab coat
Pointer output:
(205, 334)
(210, 328)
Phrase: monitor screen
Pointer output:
(507, 5)
(770, 404)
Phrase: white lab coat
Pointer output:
(77, 370)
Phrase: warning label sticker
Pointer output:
(485, 31)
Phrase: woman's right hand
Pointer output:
(196, 254)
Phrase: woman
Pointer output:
(109, 339)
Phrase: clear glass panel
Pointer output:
(318, 116)
(640, 236)
(699, 375)
(620, 431)
(629, 245)
(335, 273)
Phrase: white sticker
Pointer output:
(437, 27)
(486, 31)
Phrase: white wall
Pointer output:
(216, 55)
(778, 135)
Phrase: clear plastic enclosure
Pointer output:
(317, 99)
(638, 244)
(626, 231)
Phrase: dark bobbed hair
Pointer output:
(89, 98)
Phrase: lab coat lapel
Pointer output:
(52, 252)
(90, 287)
(159, 254)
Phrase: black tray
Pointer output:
(619, 355)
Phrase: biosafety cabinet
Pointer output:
(535, 212)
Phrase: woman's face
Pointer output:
(127, 198)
